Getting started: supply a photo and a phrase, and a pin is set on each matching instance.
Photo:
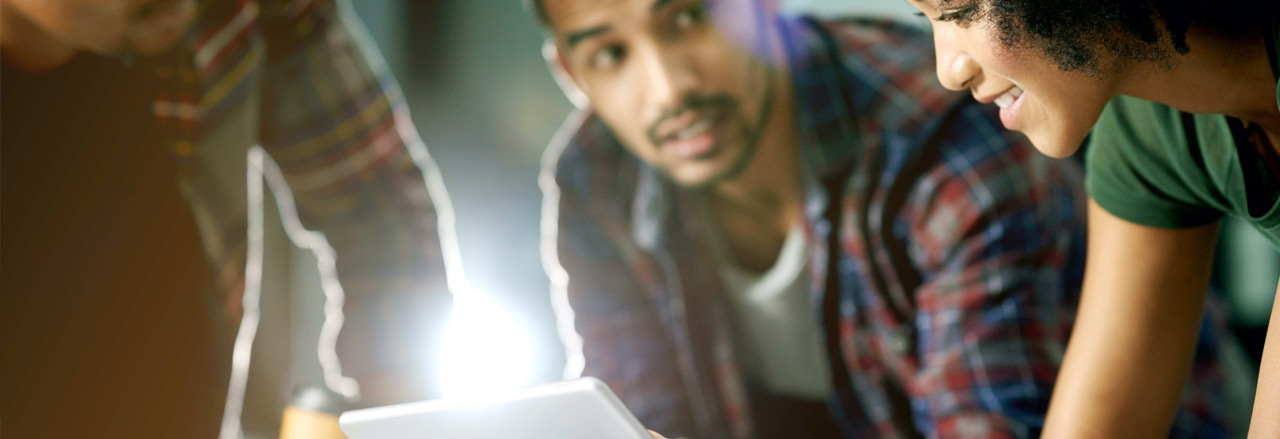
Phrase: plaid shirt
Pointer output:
(955, 260)
(295, 78)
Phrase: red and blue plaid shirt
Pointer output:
(958, 257)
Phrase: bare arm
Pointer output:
(1266, 408)
(1135, 332)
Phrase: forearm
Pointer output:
(1266, 408)
(1135, 333)
(1120, 378)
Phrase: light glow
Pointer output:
(485, 352)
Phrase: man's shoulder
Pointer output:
(884, 46)
(974, 170)
(973, 147)
(890, 71)
(978, 184)
(887, 36)
(940, 133)
(585, 157)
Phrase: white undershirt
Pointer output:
(777, 322)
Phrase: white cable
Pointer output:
(243, 348)
(334, 296)
(261, 167)
(575, 361)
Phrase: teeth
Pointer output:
(1004, 100)
(1008, 97)
(693, 129)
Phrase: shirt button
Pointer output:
(900, 341)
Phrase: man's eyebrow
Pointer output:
(573, 38)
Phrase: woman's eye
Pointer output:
(606, 57)
(691, 16)
(960, 15)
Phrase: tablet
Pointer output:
(578, 409)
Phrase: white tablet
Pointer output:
(578, 409)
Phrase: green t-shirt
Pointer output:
(1151, 164)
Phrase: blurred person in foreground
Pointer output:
(764, 226)
(127, 127)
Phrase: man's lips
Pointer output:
(694, 137)
(674, 128)
(697, 128)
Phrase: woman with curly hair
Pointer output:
(1181, 98)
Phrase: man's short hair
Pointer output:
(539, 12)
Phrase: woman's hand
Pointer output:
(306, 424)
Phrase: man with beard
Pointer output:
(766, 227)
(130, 182)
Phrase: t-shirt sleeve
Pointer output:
(1142, 168)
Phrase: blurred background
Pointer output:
(486, 107)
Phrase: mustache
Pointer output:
(693, 102)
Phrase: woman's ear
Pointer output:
(560, 73)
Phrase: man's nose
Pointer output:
(672, 76)
(956, 69)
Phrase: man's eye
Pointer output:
(606, 57)
(691, 16)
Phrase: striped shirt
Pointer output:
(298, 79)
(946, 258)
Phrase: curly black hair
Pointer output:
(1091, 35)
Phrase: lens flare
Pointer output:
(485, 351)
